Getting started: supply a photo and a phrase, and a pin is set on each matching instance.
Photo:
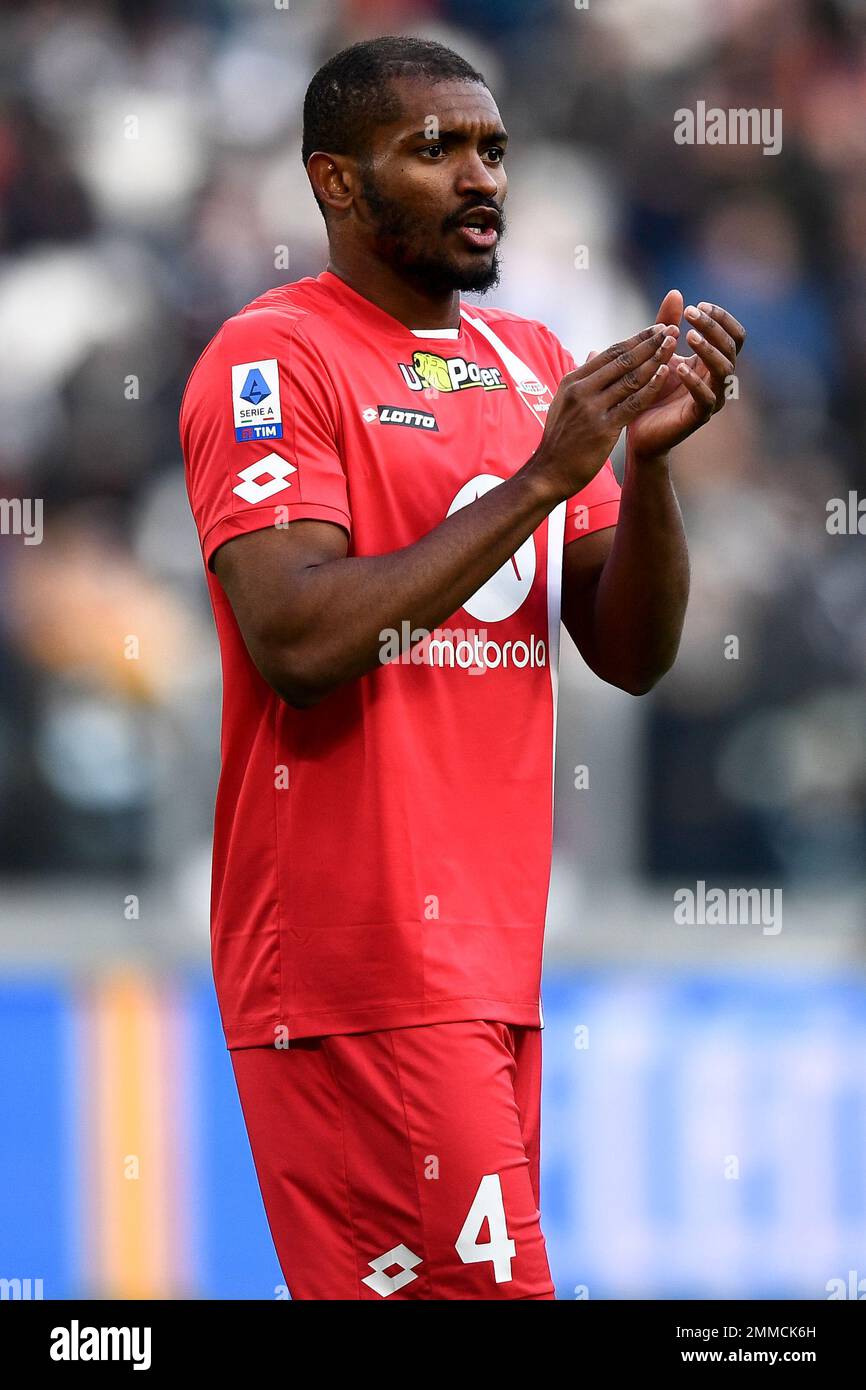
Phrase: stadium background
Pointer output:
(705, 1094)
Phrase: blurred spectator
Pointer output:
(150, 185)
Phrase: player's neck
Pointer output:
(383, 287)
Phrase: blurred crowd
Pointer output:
(151, 185)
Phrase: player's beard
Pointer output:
(403, 240)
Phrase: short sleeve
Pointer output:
(260, 430)
(596, 505)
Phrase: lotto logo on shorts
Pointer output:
(256, 400)
(402, 1261)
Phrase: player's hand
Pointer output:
(594, 402)
(695, 387)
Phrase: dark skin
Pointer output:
(311, 615)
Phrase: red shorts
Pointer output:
(403, 1163)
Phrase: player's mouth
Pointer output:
(480, 228)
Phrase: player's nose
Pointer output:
(475, 177)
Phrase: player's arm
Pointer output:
(625, 589)
(313, 617)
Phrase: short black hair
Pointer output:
(349, 96)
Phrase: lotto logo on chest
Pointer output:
(256, 400)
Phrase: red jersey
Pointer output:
(382, 859)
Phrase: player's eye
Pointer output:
(496, 154)
(433, 150)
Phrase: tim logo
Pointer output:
(429, 372)
(248, 432)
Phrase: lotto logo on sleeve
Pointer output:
(256, 400)
(260, 480)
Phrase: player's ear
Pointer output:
(331, 179)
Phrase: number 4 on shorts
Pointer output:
(499, 1249)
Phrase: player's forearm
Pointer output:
(345, 609)
(642, 592)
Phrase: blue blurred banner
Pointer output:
(702, 1137)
